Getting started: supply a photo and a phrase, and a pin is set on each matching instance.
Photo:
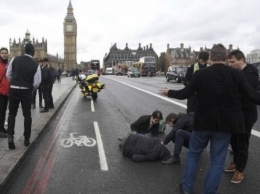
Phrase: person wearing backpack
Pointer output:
(182, 126)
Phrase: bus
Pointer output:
(95, 65)
(147, 66)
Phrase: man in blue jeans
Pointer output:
(218, 114)
(182, 126)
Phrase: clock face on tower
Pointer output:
(69, 28)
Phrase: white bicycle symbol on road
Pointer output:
(79, 141)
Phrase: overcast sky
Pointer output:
(101, 23)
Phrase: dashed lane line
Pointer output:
(92, 106)
(101, 152)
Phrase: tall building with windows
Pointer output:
(184, 56)
(179, 56)
(253, 57)
(120, 56)
(70, 39)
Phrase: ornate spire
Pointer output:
(70, 15)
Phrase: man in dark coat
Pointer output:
(218, 114)
(142, 148)
(240, 141)
(182, 126)
(148, 124)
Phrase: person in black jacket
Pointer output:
(182, 126)
(240, 141)
(142, 148)
(45, 84)
(202, 63)
(218, 114)
(24, 75)
(148, 124)
(53, 78)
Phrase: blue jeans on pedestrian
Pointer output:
(182, 138)
(219, 142)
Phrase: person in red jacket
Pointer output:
(4, 89)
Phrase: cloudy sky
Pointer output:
(101, 23)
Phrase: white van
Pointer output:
(109, 71)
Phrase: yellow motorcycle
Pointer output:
(90, 85)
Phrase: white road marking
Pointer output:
(92, 106)
(253, 132)
(82, 140)
(101, 152)
(156, 95)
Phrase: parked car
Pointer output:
(133, 72)
(118, 72)
(176, 72)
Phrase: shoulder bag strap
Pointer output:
(3, 76)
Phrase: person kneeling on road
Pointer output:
(148, 124)
(142, 148)
(182, 126)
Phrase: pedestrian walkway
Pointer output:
(11, 160)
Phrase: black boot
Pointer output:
(3, 135)
(3, 132)
(11, 142)
(27, 142)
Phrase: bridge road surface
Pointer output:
(54, 167)
(10, 160)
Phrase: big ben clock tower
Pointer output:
(70, 39)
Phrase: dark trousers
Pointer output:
(58, 78)
(45, 94)
(17, 96)
(240, 142)
(3, 108)
(182, 138)
(34, 96)
(50, 96)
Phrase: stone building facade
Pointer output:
(17, 48)
(253, 56)
(179, 56)
(182, 56)
(117, 56)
